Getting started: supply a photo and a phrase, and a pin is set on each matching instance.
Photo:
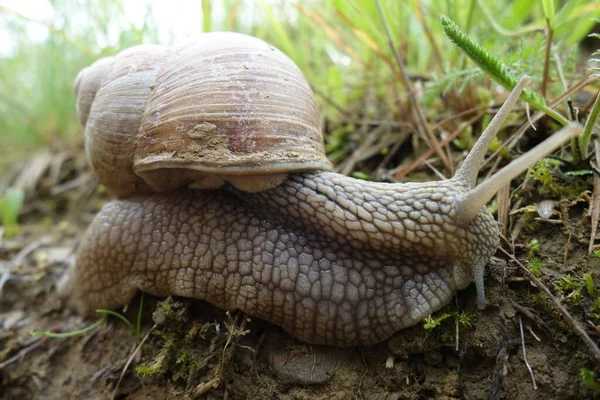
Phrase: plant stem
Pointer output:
(470, 15)
(549, 33)
(498, 71)
(139, 318)
(487, 61)
(584, 139)
(505, 32)
(564, 122)
(555, 115)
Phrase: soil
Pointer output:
(190, 349)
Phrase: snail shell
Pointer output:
(226, 107)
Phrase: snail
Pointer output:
(214, 152)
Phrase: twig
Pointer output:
(348, 165)
(331, 102)
(528, 113)
(533, 334)
(568, 317)
(37, 342)
(471, 110)
(437, 172)
(203, 388)
(399, 142)
(234, 331)
(72, 184)
(559, 69)
(131, 357)
(503, 199)
(416, 163)
(402, 172)
(18, 259)
(422, 125)
(525, 354)
(437, 55)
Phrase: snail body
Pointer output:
(331, 259)
(289, 256)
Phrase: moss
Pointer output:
(570, 290)
(554, 183)
(158, 365)
(167, 309)
(187, 362)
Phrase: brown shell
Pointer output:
(224, 106)
(116, 114)
(87, 84)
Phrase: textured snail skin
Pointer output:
(331, 259)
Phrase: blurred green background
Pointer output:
(340, 45)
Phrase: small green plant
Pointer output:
(433, 322)
(10, 208)
(500, 73)
(570, 290)
(534, 246)
(465, 319)
(536, 266)
(589, 285)
(534, 262)
(594, 296)
(591, 379)
(495, 68)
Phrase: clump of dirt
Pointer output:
(190, 349)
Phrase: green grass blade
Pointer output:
(584, 139)
(69, 334)
(549, 9)
(138, 324)
(10, 209)
(120, 316)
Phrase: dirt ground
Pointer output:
(190, 349)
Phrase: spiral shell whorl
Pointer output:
(229, 102)
(116, 115)
(87, 84)
(225, 107)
